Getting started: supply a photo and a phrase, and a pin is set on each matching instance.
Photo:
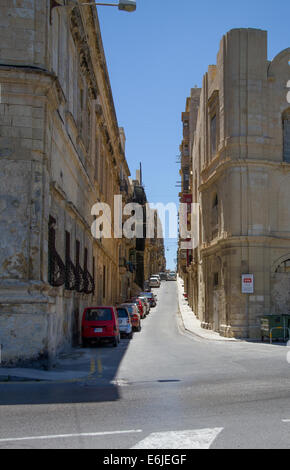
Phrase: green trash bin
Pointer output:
(275, 327)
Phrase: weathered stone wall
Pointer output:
(247, 178)
(60, 153)
(23, 32)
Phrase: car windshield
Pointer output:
(96, 314)
(122, 313)
(130, 308)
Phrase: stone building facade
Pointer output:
(188, 119)
(241, 179)
(149, 250)
(61, 151)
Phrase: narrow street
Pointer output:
(161, 387)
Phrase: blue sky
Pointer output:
(155, 56)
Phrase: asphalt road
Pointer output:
(163, 389)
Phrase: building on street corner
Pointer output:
(236, 158)
(61, 151)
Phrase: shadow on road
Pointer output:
(101, 363)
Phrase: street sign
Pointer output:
(247, 283)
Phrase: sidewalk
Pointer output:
(191, 323)
(77, 359)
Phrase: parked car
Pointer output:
(146, 303)
(172, 276)
(147, 287)
(158, 277)
(154, 282)
(151, 297)
(141, 306)
(163, 276)
(100, 323)
(134, 314)
(125, 323)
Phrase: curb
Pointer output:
(9, 379)
(194, 333)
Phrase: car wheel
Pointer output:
(130, 335)
(115, 342)
(139, 328)
(85, 343)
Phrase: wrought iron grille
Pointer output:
(89, 284)
(80, 280)
(56, 267)
(70, 275)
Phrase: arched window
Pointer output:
(284, 267)
(286, 135)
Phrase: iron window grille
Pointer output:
(56, 267)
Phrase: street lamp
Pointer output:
(124, 5)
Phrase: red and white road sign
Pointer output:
(247, 283)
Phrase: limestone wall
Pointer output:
(244, 180)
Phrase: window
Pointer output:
(56, 267)
(85, 258)
(286, 137)
(186, 179)
(215, 279)
(216, 201)
(100, 314)
(122, 313)
(213, 136)
(284, 267)
(77, 253)
(215, 216)
(213, 124)
(67, 246)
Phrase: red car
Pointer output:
(139, 303)
(134, 314)
(100, 323)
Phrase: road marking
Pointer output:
(191, 439)
(100, 367)
(65, 436)
(93, 366)
(120, 382)
(286, 420)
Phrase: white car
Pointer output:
(171, 276)
(125, 323)
(154, 282)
